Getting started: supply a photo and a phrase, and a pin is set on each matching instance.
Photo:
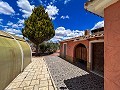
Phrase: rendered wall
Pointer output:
(70, 49)
(71, 46)
(11, 58)
(112, 47)
(27, 53)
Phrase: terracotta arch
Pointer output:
(80, 52)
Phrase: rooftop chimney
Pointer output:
(87, 32)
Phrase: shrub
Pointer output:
(48, 47)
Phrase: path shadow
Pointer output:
(81, 64)
(85, 82)
(90, 81)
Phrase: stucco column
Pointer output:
(112, 47)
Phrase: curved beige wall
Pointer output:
(11, 58)
(26, 53)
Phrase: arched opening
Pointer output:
(80, 55)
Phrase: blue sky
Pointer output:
(69, 17)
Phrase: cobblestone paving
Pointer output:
(69, 77)
(34, 77)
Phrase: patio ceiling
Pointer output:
(98, 6)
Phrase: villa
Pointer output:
(110, 10)
(88, 49)
(100, 51)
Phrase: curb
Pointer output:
(55, 88)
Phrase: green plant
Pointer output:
(38, 27)
(48, 47)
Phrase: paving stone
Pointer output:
(44, 79)
(50, 82)
(31, 74)
(36, 87)
(51, 88)
(34, 77)
(14, 85)
(28, 88)
(25, 83)
(43, 88)
(28, 78)
(47, 76)
(40, 76)
(34, 82)
(18, 80)
(43, 83)
(17, 89)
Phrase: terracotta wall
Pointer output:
(70, 48)
(112, 47)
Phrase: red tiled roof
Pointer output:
(85, 37)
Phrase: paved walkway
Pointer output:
(35, 77)
(54, 73)
(70, 77)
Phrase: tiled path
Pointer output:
(67, 76)
(36, 76)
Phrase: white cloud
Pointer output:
(53, 1)
(40, 1)
(17, 14)
(17, 25)
(21, 21)
(9, 23)
(66, 1)
(52, 11)
(65, 17)
(98, 25)
(14, 28)
(3, 26)
(25, 7)
(6, 9)
(13, 31)
(20, 25)
(1, 21)
(61, 34)
(19, 35)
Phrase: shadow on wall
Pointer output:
(86, 82)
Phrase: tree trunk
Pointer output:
(37, 50)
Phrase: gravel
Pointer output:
(67, 76)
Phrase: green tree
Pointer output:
(38, 27)
(48, 47)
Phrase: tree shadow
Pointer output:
(90, 81)
(85, 82)
(41, 54)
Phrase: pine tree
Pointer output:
(38, 27)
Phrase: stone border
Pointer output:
(55, 88)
